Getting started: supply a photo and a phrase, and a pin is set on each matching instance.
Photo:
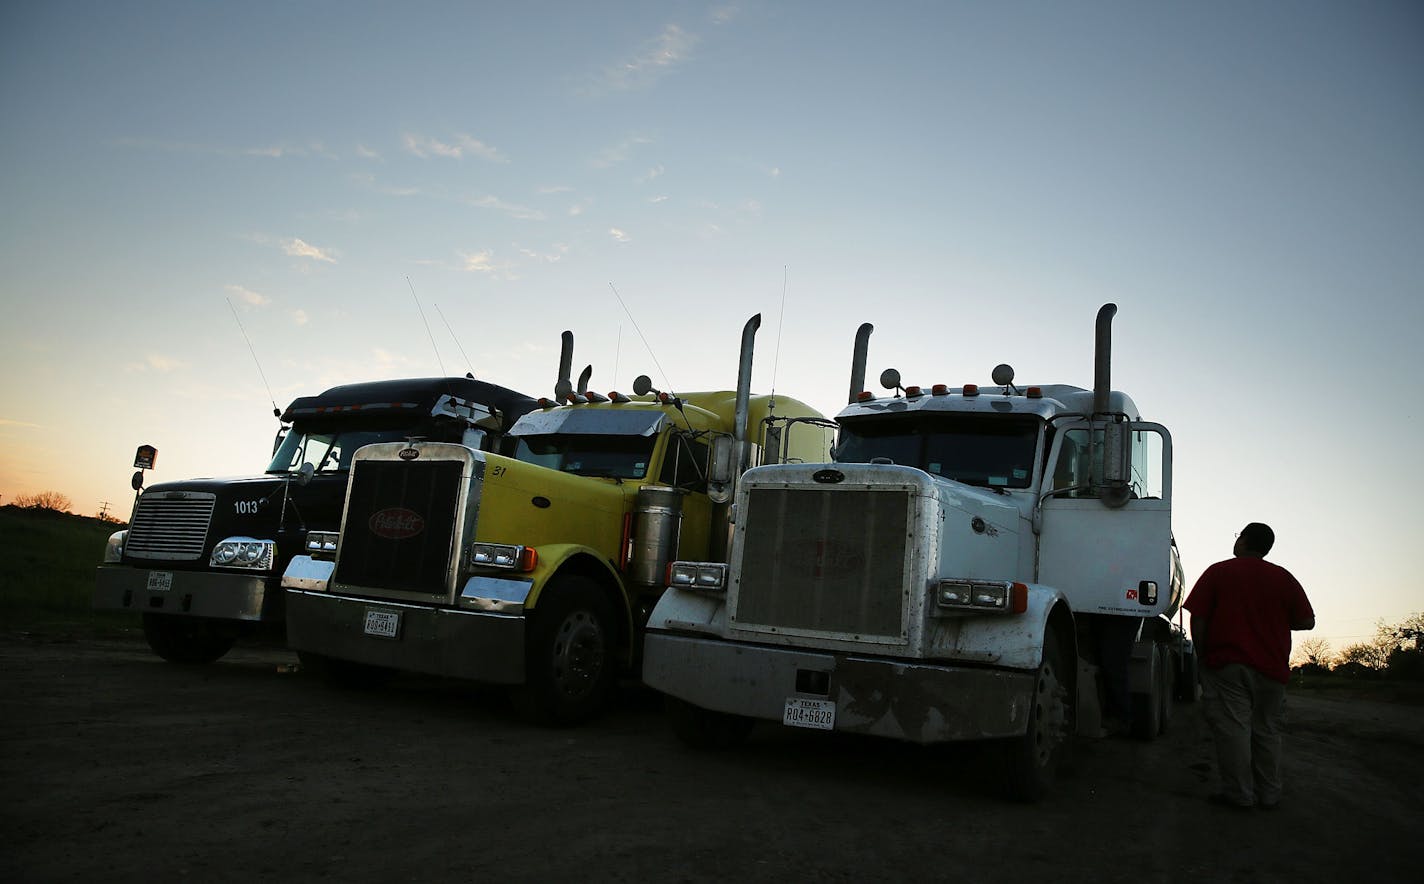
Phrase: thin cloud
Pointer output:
(6, 422)
(300, 249)
(248, 296)
(299, 317)
(721, 15)
(484, 262)
(156, 362)
(462, 146)
(652, 174)
(367, 153)
(654, 59)
(618, 153)
(514, 210)
(618, 235)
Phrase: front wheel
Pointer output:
(187, 640)
(1032, 760)
(569, 661)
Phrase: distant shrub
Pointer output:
(44, 500)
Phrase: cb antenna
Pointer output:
(780, 321)
(418, 309)
(640, 334)
(455, 339)
(276, 412)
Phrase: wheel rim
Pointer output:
(1049, 714)
(578, 654)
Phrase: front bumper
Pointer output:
(475, 645)
(217, 595)
(897, 698)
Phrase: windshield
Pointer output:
(329, 447)
(986, 450)
(618, 457)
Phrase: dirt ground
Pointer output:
(116, 766)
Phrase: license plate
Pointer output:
(383, 624)
(816, 714)
(160, 581)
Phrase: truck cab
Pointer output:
(537, 568)
(976, 563)
(202, 559)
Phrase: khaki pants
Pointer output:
(1246, 711)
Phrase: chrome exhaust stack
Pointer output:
(744, 394)
(857, 361)
(1102, 360)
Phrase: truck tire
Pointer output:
(1166, 696)
(569, 661)
(1147, 708)
(704, 728)
(1031, 761)
(186, 640)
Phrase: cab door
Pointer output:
(1109, 548)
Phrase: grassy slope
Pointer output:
(47, 563)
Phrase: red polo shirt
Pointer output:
(1249, 605)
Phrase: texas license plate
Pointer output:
(816, 714)
(160, 581)
(383, 624)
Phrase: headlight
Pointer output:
(965, 595)
(504, 556)
(321, 543)
(704, 576)
(243, 552)
(114, 549)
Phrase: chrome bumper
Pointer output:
(211, 594)
(474, 645)
(896, 698)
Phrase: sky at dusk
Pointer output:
(372, 190)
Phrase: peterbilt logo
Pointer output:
(408, 453)
(396, 523)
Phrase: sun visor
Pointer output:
(589, 422)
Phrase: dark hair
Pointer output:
(1258, 538)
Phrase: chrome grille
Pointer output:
(172, 528)
(824, 561)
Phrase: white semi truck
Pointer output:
(978, 563)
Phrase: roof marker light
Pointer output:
(971, 389)
(1035, 392)
(864, 396)
(618, 397)
(913, 392)
(939, 390)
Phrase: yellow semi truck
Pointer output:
(536, 570)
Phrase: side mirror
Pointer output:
(136, 483)
(722, 471)
(305, 473)
(642, 385)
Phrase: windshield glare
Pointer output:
(985, 450)
(618, 457)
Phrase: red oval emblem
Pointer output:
(396, 523)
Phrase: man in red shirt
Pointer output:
(1243, 611)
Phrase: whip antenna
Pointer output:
(780, 317)
(455, 339)
(276, 412)
(438, 361)
(640, 334)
